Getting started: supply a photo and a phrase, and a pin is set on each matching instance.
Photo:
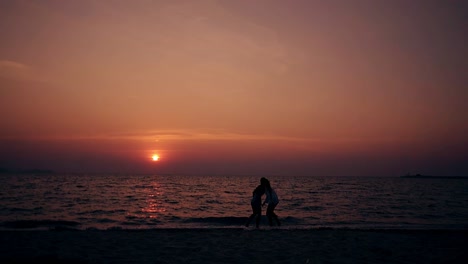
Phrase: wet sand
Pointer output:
(234, 246)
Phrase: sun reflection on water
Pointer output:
(154, 204)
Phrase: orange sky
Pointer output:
(235, 87)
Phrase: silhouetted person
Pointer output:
(272, 201)
(256, 204)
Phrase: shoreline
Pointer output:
(234, 245)
(217, 223)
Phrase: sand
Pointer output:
(233, 246)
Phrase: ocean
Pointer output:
(107, 201)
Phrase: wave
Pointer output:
(227, 220)
(17, 209)
(26, 224)
(233, 220)
(101, 212)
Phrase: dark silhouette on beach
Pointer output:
(256, 203)
(272, 201)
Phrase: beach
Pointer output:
(234, 245)
(159, 219)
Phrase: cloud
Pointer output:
(179, 135)
(207, 32)
(175, 135)
(14, 70)
(166, 135)
(7, 65)
(191, 134)
(18, 71)
(12, 65)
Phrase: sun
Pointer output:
(155, 157)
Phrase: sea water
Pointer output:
(110, 201)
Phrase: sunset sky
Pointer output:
(372, 88)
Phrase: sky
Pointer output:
(321, 88)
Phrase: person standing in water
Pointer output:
(256, 203)
(272, 201)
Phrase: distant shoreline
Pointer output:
(419, 176)
(28, 171)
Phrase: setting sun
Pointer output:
(155, 157)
